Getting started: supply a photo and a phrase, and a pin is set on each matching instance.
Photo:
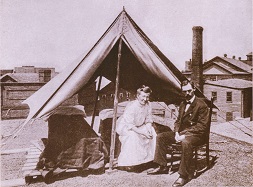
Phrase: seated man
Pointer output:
(190, 127)
(136, 134)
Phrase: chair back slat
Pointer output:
(209, 120)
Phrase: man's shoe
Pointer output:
(180, 182)
(159, 170)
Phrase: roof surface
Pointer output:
(23, 77)
(232, 65)
(249, 54)
(239, 64)
(228, 68)
(232, 83)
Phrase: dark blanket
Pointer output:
(71, 144)
(87, 153)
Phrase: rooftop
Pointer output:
(23, 77)
(232, 83)
(239, 64)
(250, 54)
(228, 68)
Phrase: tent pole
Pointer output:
(113, 134)
(96, 101)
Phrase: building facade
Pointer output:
(17, 85)
(106, 96)
(233, 99)
(229, 81)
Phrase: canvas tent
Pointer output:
(141, 63)
(123, 45)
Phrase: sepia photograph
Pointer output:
(126, 93)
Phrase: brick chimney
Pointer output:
(197, 57)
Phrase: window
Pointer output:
(214, 96)
(108, 97)
(41, 76)
(104, 98)
(213, 78)
(214, 116)
(44, 75)
(229, 97)
(229, 116)
(47, 75)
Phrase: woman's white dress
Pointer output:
(135, 148)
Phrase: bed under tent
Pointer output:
(125, 56)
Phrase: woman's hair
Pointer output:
(144, 89)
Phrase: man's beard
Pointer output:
(188, 97)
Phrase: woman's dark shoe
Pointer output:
(159, 170)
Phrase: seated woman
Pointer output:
(136, 134)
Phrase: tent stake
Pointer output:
(96, 101)
(113, 134)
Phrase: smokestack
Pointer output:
(197, 57)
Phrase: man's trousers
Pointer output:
(163, 140)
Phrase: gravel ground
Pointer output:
(12, 164)
(240, 129)
(233, 166)
(31, 131)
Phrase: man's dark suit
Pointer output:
(193, 123)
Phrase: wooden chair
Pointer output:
(176, 149)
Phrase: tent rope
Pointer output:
(6, 137)
(237, 121)
(13, 134)
(236, 126)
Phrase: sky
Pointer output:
(54, 33)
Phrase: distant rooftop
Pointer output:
(232, 83)
(23, 77)
(228, 68)
(239, 64)
(250, 54)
